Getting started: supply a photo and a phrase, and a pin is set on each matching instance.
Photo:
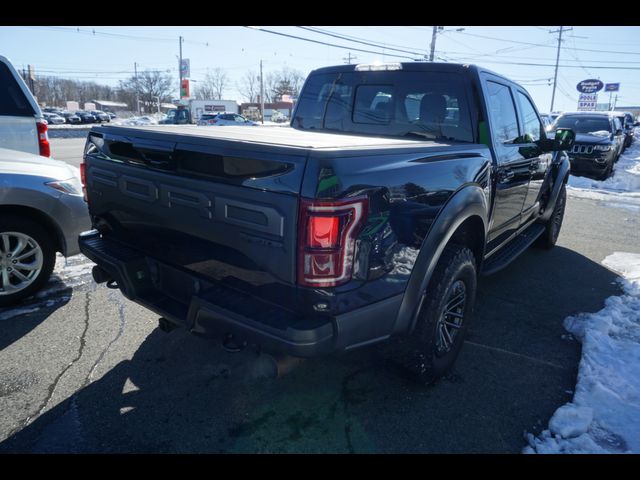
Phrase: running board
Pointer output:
(512, 250)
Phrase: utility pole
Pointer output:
(555, 75)
(261, 95)
(349, 57)
(180, 71)
(135, 70)
(433, 41)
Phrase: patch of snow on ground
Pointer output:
(604, 416)
(67, 273)
(622, 189)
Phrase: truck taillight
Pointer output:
(327, 232)
(83, 179)
(43, 139)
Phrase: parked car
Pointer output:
(71, 118)
(100, 115)
(86, 117)
(42, 212)
(368, 221)
(22, 126)
(598, 142)
(547, 121)
(55, 110)
(628, 124)
(53, 119)
(111, 115)
(225, 119)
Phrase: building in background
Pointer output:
(252, 110)
(109, 106)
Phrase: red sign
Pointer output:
(184, 88)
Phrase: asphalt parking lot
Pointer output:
(89, 371)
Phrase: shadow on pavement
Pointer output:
(180, 393)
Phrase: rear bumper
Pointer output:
(212, 309)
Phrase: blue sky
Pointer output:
(611, 54)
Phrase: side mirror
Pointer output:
(564, 139)
(619, 132)
(636, 124)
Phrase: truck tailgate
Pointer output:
(224, 212)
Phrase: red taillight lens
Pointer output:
(322, 232)
(327, 240)
(43, 139)
(83, 179)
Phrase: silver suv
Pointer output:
(42, 211)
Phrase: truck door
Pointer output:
(512, 169)
(529, 148)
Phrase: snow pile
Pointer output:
(604, 416)
(622, 189)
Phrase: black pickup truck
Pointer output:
(368, 220)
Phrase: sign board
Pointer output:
(590, 86)
(587, 101)
(184, 88)
(73, 106)
(214, 108)
(612, 87)
(185, 68)
(89, 106)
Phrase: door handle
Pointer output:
(506, 175)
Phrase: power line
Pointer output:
(364, 41)
(543, 45)
(357, 41)
(327, 44)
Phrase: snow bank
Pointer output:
(620, 190)
(604, 416)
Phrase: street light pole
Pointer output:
(135, 69)
(433, 41)
(180, 71)
(261, 95)
(555, 75)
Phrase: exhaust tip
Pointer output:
(100, 275)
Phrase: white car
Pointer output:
(22, 126)
(222, 119)
(53, 119)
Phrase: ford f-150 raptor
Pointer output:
(368, 220)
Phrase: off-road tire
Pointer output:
(551, 232)
(417, 353)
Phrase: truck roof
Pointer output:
(418, 67)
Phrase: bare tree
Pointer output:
(286, 81)
(55, 91)
(249, 86)
(213, 86)
(149, 85)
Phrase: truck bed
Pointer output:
(274, 136)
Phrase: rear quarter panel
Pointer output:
(407, 191)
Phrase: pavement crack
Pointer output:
(121, 326)
(56, 381)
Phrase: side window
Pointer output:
(531, 122)
(12, 99)
(502, 112)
